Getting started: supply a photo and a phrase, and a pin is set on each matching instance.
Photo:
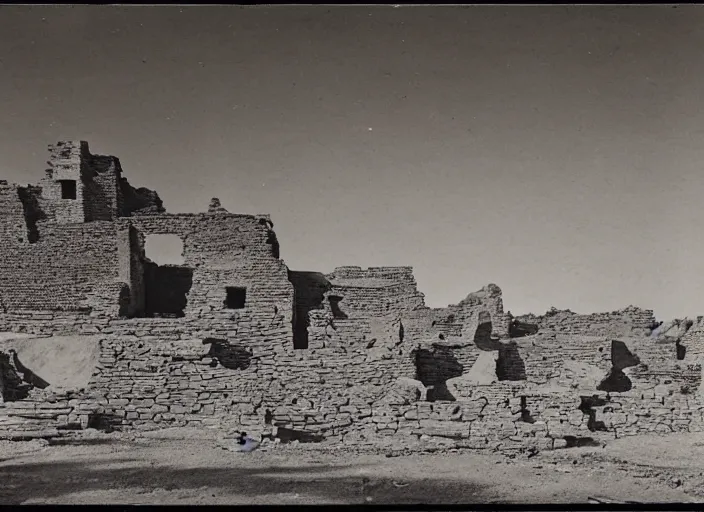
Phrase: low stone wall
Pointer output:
(157, 376)
(242, 371)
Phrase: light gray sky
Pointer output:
(555, 151)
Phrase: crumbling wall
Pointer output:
(138, 201)
(101, 193)
(227, 251)
(480, 315)
(167, 372)
(376, 291)
(159, 372)
(473, 310)
(350, 356)
(630, 321)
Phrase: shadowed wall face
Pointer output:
(309, 292)
(166, 290)
(510, 365)
(433, 368)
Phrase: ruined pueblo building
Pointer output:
(98, 335)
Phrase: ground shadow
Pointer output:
(69, 441)
(576, 442)
(288, 435)
(37, 481)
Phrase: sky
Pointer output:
(555, 151)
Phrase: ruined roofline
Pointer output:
(638, 316)
(405, 268)
(349, 284)
(172, 215)
(142, 201)
(553, 311)
(350, 276)
(14, 184)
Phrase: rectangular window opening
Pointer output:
(235, 297)
(68, 189)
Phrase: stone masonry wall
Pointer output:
(352, 356)
(145, 383)
(67, 160)
(13, 226)
(102, 198)
(59, 271)
(226, 250)
(624, 322)
(376, 291)
(158, 372)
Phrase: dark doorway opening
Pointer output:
(68, 189)
(235, 297)
(681, 350)
(308, 294)
(434, 368)
(166, 280)
(166, 290)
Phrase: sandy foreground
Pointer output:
(188, 467)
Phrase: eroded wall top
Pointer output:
(631, 320)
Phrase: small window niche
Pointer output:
(235, 297)
(68, 189)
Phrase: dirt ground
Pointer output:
(185, 467)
